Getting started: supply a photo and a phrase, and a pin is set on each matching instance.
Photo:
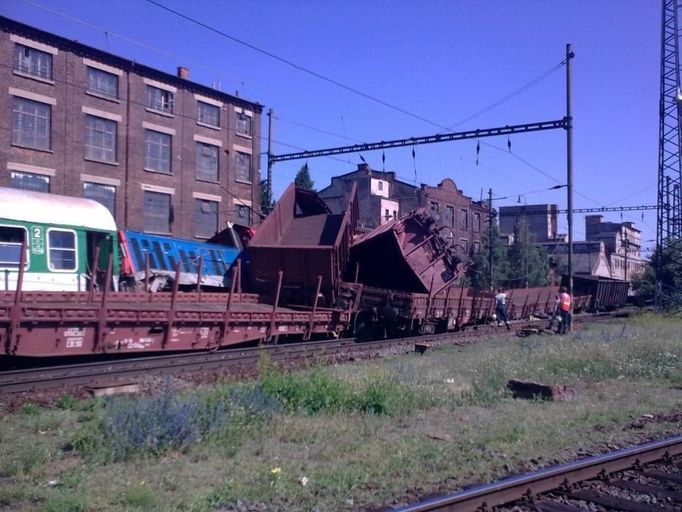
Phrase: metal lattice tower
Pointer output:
(669, 222)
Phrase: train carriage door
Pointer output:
(11, 240)
(97, 269)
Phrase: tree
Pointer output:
(478, 273)
(670, 277)
(303, 179)
(265, 204)
(528, 263)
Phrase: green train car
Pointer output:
(62, 235)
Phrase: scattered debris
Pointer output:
(114, 389)
(439, 436)
(421, 346)
(534, 390)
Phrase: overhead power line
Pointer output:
(428, 139)
(293, 64)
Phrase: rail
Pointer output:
(485, 497)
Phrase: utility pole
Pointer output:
(569, 166)
(490, 236)
(271, 115)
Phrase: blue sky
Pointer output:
(448, 62)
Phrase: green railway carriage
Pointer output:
(62, 235)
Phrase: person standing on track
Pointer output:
(564, 310)
(501, 308)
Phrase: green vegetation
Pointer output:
(349, 436)
(303, 179)
(520, 265)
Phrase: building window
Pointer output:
(31, 123)
(11, 240)
(33, 62)
(464, 219)
(159, 99)
(157, 151)
(380, 185)
(477, 222)
(387, 214)
(207, 162)
(477, 247)
(395, 214)
(243, 124)
(465, 245)
(205, 218)
(103, 194)
(101, 82)
(208, 114)
(450, 216)
(61, 245)
(157, 212)
(100, 139)
(243, 214)
(244, 167)
(29, 181)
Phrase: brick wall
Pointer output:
(65, 163)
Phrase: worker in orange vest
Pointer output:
(564, 310)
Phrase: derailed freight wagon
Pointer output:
(600, 293)
(306, 244)
(403, 267)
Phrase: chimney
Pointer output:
(183, 72)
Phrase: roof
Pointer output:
(364, 170)
(29, 206)
(11, 25)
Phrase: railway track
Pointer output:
(231, 361)
(644, 478)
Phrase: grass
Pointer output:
(345, 437)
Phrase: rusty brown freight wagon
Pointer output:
(307, 243)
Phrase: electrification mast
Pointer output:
(669, 221)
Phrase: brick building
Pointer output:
(465, 218)
(382, 197)
(164, 154)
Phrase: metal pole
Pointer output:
(271, 116)
(569, 166)
(490, 236)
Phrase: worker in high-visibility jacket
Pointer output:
(565, 304)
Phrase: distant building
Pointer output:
(382, 197)
(589, 258)
(622, 243)
(540, 219)
(464, 219)
(612, 250)
(165, 155)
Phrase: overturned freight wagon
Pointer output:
(307, 244)
(408, 254)
(403, 267)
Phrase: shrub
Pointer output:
(29, 409)
(65, 504)
(67, 402)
